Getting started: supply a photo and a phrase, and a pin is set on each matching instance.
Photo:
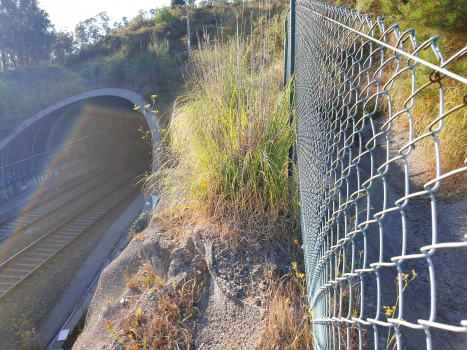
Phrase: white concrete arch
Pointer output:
(131, 96)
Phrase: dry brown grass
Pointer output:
(226, 223)
(144, 279)
(129, 280)
(108, 301)
(166, 326)
(288, 324)
(452, 137)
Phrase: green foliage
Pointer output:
(174, 3)
(137, 55)
(25, 329)
(24, 33)
(163, 15)
(92, 29)
(25, 92)
(364, 5)
(63, 46)
(450, 14)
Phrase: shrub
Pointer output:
(230, 133)
(163, 15)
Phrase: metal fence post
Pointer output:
(286, 52)
(291, 74)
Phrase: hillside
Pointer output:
(147, 54)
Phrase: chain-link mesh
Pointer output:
(383, 208)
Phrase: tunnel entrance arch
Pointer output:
(90, 124)
(131, 96)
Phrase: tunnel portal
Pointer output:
(68, 137)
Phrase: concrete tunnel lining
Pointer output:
(131, 96)
(45, 117)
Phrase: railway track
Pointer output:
(28, 261)
(105, 189)
(22, 221)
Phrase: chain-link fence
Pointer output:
(381, 148)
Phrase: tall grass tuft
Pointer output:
(230, 133)
(158, 47)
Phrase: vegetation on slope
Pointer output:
(230, 133)
(129, 55)
(226, 161)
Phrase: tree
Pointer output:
(64, 45)
(92, 29)
(25, 33)
(175, 3)
(163, 15)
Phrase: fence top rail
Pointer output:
(414, 56)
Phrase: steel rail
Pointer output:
(102, 196)
(102, 171)
(50, 233)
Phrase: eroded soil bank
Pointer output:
(192, 292)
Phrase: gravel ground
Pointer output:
(449, 264)
(230, 314)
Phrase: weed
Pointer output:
(288, 320)
(169, 325)
(149, 279)
(24, 329)
(391, 310)
(129, 280)
(110, 328)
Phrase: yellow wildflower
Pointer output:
(389, 310)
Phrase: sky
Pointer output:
(67, 13)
